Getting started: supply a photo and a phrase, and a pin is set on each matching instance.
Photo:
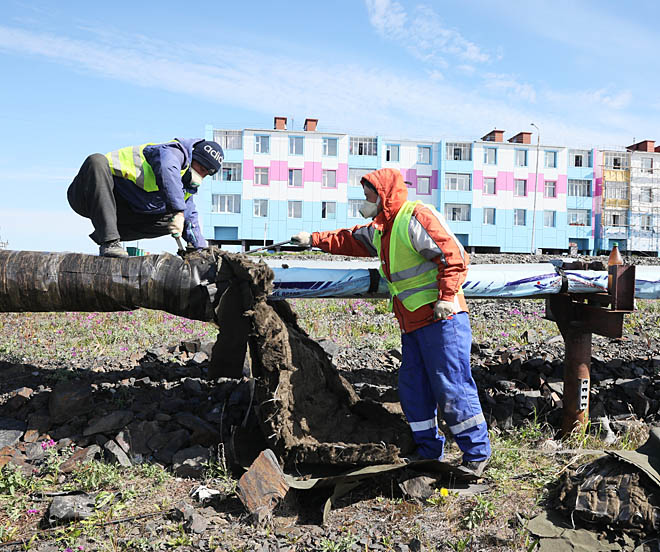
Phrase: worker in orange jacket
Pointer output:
(424, 265)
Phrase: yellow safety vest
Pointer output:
(413, 278)
(129, 163)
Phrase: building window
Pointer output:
(646, 222)
(295, 145)
(229, 139)
(520, 187)
(490, 156)
(549, 219)
(646, 195)
(328, 209)
(521, 158)
(550, 159)
(457, 212)
(354, 208)
(329, 179)
(260, 207)
(489, 215)
(459, 151)
(363, 146)
(424, 155)
(616, 218)
(330, 147)
(579, 158)
(295, 209)
(519, 217)
(490, 186)
(550, 188)
(392, 153)
(423, 184)
(261, 176)
(616, 190)
(579, 188)
(262, 143)
(579, 217)
(231, 172)
(616, 161)
(295, 178)
(458, 181)
(226, 203)
(355, 175)
(647, 165)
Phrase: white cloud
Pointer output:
(355, 99)
(423, 33)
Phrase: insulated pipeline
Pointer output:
(32, 281)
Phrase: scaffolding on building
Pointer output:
(630, 199)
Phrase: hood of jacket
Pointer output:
(392, 191)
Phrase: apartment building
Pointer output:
(498, 194)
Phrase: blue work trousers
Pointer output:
(435, 371)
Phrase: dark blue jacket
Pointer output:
(167, 160)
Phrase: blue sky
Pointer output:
(84, 77)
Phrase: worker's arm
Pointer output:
(167, 160)
(355, 242)
(432, 238)
(192, 232)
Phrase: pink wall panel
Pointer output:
(248, 169)
(478, 180)
(504, 181)
(434, 180)
(279, 170)
(312, 172)
(410, 175)
(530, 182)
(342, 173)
(562, 184)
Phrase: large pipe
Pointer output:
(33, 281)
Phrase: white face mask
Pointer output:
(368, 209)
(195, 178)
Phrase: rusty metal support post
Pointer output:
(577, 380)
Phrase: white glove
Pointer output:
(442, 310)
(302, 238)
(175, 226)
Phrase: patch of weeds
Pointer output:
(216, 470)
(440, 497)
(482, 508)
(95, 475)
(8, 533)
(180, 539)
(460, 545)
(154, 472)
(342, 544)
(142, 544)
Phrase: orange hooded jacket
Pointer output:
(430, 235)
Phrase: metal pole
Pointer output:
(536, 184)
(577, 380)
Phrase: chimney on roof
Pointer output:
(657, 149)
(494, 136)
(310, 124)
(280, 123)
(645, 145)
(521, 138)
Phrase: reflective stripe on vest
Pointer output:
(129, 163)
(413, 278)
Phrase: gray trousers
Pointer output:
(92, 195)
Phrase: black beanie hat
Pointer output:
(209, 155)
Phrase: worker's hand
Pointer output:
(442, 310)
(175, 226)
(302, 238)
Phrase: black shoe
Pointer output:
(473, 468)
(112, 248)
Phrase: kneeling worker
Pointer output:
(144, 192)
(424, 266)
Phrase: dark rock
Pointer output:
(192, 386)
(80, 457)
(70, 508)
(190, 462)
(191, 346)
(70, 399)
(115, 454)
(418, 487)
(11, 430)
(203, 433)
(35, 452)
(170, 444)
(115, 420)
(20, 397)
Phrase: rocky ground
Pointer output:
(109, 451)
